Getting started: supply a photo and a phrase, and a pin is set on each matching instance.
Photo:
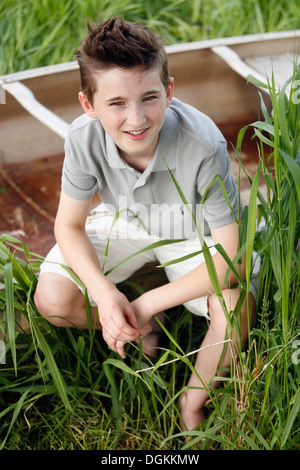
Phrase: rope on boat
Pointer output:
(24, 196)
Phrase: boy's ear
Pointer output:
(170, 91)
(85, 103)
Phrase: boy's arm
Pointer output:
(116, 315)
(194, 284)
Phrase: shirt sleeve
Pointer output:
(76, 181)
(217, 211)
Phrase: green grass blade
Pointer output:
(294, 168)
(294, 413)
(114, 391)
(147, 248)
(224, 192)
(120, 365)
(207, 255)
(16, 413)
(282, 119)
(250, 78)
(10, 310)
(54, 371)
(286, 274)
(259, 436)
(179, 260)
(251, 224)
(231, 264)
(263, 138)
(264, 126)
(266, 207)
(268, 377)
(247, 439)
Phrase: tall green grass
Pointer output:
(63, 389)
(49, 31)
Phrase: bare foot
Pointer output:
(190, 417)
(151, 335)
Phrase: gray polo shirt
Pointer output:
(190, 146)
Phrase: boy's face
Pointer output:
(131, 106)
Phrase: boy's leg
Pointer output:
(207, 362)
(151, 335)
(60, 301)
(174, 271)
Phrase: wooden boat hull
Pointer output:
(38, 105)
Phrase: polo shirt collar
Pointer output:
(165, 153)
(112, 154)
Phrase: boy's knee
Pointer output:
(44, 301)
(216, 311)
(245, 316)
(54, 304)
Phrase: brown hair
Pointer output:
(119, 43)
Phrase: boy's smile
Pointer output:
(131, 105)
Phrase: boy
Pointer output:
(132, 133)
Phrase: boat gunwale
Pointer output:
(170, 49)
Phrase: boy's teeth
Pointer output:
(135, 132)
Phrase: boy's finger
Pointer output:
(117, 326)
(116, 345)
(126, 326)
(120, 348)
(132, 320)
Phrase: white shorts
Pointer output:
(128, 242)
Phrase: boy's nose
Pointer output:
(135, 117)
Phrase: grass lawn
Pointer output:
(35, 33)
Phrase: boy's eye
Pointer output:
(150, 98)
(117, 103)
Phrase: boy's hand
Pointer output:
(118, 320)
(141, 311)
